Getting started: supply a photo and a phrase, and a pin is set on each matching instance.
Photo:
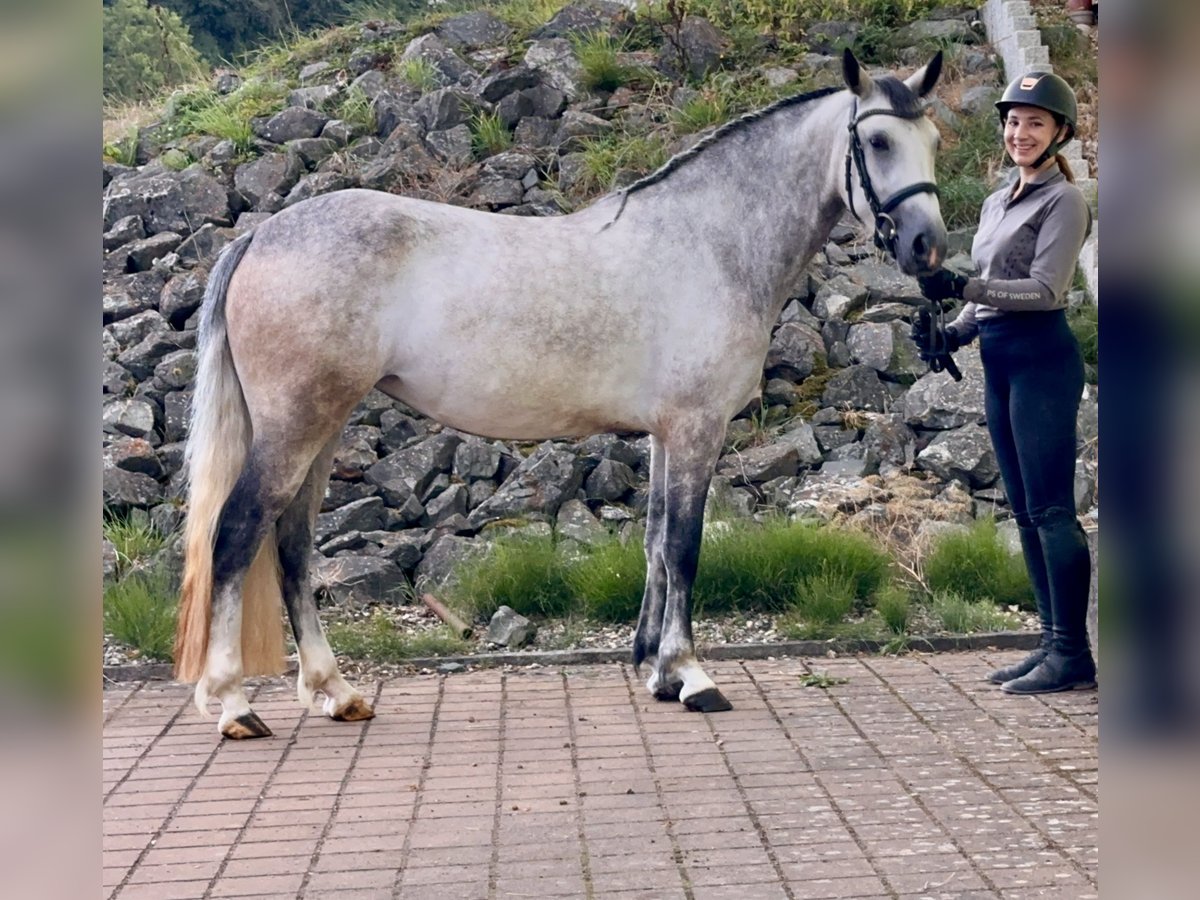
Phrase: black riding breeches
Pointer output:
(1033, 373)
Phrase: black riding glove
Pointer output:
(943, 285)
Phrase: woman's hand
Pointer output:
(943, 285)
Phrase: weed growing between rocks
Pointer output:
(959, 615)
(376, 639)
(139, 611)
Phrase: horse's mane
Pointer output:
(733, 125)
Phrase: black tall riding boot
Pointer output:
(1069, 664)
(1035, 564)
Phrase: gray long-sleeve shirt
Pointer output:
(1026, 250)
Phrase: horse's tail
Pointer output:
(217, 446)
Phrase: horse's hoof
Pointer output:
(357, 710)
(663, 690)
(246, 726)
(709, 700)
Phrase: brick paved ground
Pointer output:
(911, 779)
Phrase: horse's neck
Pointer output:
(760, 206)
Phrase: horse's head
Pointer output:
(889, 177)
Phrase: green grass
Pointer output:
(746, 565)
(139, 610)
(220, 121)
(821, 680)
(124, 149)
(977, 567)
(825, 597)
(962, 167)
(488, 135)
(377, 639)
(962, 616)
(702, 111)
(1085, 325)
(609, 581)
(357, 108)
(136, 541)
(893, 604)
(526, 16)
(525, 573)
(606, 155)
(420, 73)
(597, 54)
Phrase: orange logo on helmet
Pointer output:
(1029, 82)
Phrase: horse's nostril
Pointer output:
(920, 246)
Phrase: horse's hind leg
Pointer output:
(318, 668)
(257, 499)
(691, 454)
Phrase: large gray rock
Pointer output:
(890, 440)
(696, 49)
(857, 387)
(964, 454)
(451, 502)
(496, 87)
(476, 458)
(443, 109)
(176, 370)
(838, 297)
(449, 66)
(937, 401)
(803, 438)
(610, 481)
(140, 255)
(760, 464)
(510, 629)
(587, 16)
(887, 348)
(576, 522)
(168, 201)
(360, 579)
(134, 455)
(356, 452)
(444, 556)
(410, 472)
(555, 60)
(539, 486)
(473, 31)
(291, 124)
(366, 514)
(454, 146)
(884, 281)
(795, 351)
(273, 174)
(132, 416)
(123, 490)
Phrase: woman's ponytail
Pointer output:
(1064, 167)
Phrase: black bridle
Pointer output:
(885, 225)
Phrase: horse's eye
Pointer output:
(878, 142)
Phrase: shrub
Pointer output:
(146, 49)
(139, 610)
(976, 566)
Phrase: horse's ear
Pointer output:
(922, 81)
(857, 80)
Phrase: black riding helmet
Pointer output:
(1049, 92)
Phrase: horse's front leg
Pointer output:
(690, 460)
(650, 620)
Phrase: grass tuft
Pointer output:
(609, 581)
(894, 605)
(976, 566)
(376, 639)
(136, 542)
(962, 616)
(522, 572)
(597, 52)
(139, 610)
(420, 73)
(488, 135)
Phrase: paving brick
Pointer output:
(955, 789)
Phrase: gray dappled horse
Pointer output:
(649, 311)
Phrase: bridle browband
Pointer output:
(885, 225)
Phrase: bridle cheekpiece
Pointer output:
(885, 225)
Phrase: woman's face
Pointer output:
(1028, 131)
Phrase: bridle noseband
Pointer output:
(885, 225)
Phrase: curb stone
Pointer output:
(998, 640)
